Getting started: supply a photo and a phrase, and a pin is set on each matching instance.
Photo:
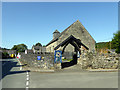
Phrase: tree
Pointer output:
(5, 55)
(38, 44)
(19, 47)
(44, 45)
(103, 45)
(116, 41)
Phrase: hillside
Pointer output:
(103, 45)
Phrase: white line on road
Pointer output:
(27, 78)
(26, 88)
(27, 72)
(27, 83)
(20, 64)
(27, 75)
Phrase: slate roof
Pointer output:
(69, 40)
(55, 39)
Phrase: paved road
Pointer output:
(12, 74)
(74, 80)
(15, 77)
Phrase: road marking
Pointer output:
(20, 64)
(27, 72)
(26, 88)
(27, 75)
(27, 78)
(27, 83)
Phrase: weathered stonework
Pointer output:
(79, 32)
(87, 60)
(50, 48)
(46, 62)
(96, 61)
(57, 65)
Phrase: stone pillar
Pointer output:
(79, 61)
(57, 65)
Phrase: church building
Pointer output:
(77, 31)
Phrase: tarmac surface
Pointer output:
(14, 76)
(74, 80)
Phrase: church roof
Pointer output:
(70, 39)
(55, 39)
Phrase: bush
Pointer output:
(5, 55)
(19, 47)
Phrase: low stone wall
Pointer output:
(97, 61)
(86, 61)
(46, 62)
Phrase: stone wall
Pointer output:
(87, 60)
(99, 61)
(46, 62)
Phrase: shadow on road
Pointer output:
(7, 66)
(16, 72)
(20, 65)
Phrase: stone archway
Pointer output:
(77, 45)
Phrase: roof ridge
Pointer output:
(61, 33)
(86, 30)
(68, 27)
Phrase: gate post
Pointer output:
(57, 59)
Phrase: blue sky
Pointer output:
(34, 22)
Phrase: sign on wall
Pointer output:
(78, 54)
(38, 57)
(58, 56)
